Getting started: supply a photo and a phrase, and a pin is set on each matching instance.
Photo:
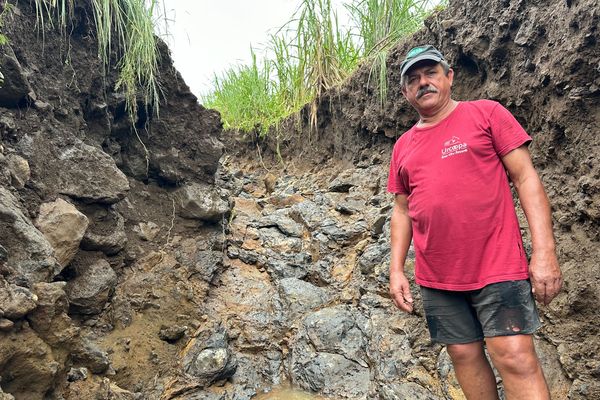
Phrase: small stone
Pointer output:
(147, 230)
(19, 170)
(6, 324)
(77, 374)
(172, 334)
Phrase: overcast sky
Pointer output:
(209, 36)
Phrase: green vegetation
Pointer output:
(309, 55)
(123, 26)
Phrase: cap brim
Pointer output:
(417, 59)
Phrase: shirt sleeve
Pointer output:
(395, 183)
(507, 133)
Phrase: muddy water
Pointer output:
(288, 393)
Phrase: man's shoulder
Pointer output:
(482, 104)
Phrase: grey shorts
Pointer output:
(498, 309)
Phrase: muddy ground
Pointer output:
(210, 268)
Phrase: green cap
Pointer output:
(420, 53)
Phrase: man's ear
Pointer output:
(451, 75)
(403, 90)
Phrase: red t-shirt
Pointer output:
(465, 230)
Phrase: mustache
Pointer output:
(425, 90)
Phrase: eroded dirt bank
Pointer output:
(173, 275)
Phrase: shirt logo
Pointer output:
(453, 147)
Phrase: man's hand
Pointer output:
(400, 291)
(545, 275)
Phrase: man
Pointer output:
(453, 200)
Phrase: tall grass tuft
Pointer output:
(381, 24)
(123, 26)
(311, 54)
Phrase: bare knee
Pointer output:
(514, 356)
(465, 353)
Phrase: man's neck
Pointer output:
(435, 117)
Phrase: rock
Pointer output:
(6, 324)
(91, 356)
(100, 181)
(64, 226)
(408, 390)
(77, 374)
(202, 201)
(16, 85)
(172, 334)
(309, 213)
(207, 264)
(50, 319)
(29, 363)
(106, 232)
(343, 235)
(301, 296)
(270, 182)
(91, 289)
(284, 223)
(19, 170)
(373, 255)
(208, 357)
(15, 301)
(147, 230)
(29, 254)
(328, 354)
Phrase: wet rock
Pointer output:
(64, 226)
(29, 254)
(209, 358)
(19, 170)
(16, 85)
(15, 301)
(202, 201)
(91, 289)
(106, 232)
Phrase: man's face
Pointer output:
(427, 87)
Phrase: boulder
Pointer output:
(16, 86)
(106, 233)
(15, 301)
(28, 254)
(209, 358)
(202, 201)
(91, 289)
(64, 226)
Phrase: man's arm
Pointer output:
(545, 275)
(401, 235)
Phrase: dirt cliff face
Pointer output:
(188, 278)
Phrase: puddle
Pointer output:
(288, 393)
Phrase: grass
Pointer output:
(309, 55)
(124, 28)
